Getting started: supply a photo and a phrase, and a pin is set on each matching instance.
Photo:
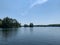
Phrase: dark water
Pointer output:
(30, 36)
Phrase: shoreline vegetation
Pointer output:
(13, 23)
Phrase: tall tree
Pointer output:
(31, 25)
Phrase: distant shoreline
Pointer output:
(52, 25)
(36, 26)
(13, 23)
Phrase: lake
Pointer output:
(30, 36)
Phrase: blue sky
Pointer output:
(36, 11)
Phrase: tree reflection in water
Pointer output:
(31, 29)
(9, 32)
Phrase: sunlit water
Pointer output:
(30, 36)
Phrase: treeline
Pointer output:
(30, 25)
(9, 23)
(12, 23)
(50, 25)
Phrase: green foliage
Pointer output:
(31, 25)
(9, 23)
(25, 25)
(0, 23)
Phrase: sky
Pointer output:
(35, 11)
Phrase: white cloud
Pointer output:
(34, 4)
(38, 2)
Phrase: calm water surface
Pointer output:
(30, 36)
